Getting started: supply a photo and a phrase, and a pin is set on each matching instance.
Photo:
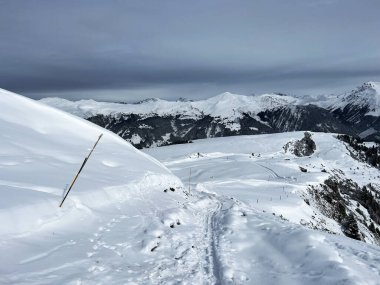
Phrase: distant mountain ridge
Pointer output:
(156, 122)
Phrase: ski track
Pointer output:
(212, 268)
(271, 172)
(214, 228)
(47, 253)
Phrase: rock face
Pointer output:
(158, 122)
(354, 208)
(304, 147)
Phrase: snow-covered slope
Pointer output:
(263, 198)
(230, 164)
(41, 150)
(114, 217)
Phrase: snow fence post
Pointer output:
(80, 169)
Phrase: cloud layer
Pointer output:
(129, 50)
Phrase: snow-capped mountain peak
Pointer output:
(366, 97)
(266, 100)
(372, 85)
(368, 89)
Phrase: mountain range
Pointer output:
(156, 122)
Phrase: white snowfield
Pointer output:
(259, 191)
(226, 105)
(129, 220)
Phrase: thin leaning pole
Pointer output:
(80, 169)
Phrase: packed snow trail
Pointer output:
(245, 246)
(214, 232)
(211, 264)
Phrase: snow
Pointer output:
(166, 137)
(370, 144)
(226, 105)
(115, 214)
(136, 139)
(232, 214)
(233, 126)
(259, 195)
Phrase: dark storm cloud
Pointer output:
(122, 50)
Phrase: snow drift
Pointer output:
(41, 150)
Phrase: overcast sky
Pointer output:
(130, 50)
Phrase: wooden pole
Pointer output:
(80, 169)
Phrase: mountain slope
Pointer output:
(354, 113)
(360, 108)
(365, 97)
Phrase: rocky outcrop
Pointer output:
(356, 209)
(304, 147)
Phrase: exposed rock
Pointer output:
(303, 169)
(336, 197)
(304, 147)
